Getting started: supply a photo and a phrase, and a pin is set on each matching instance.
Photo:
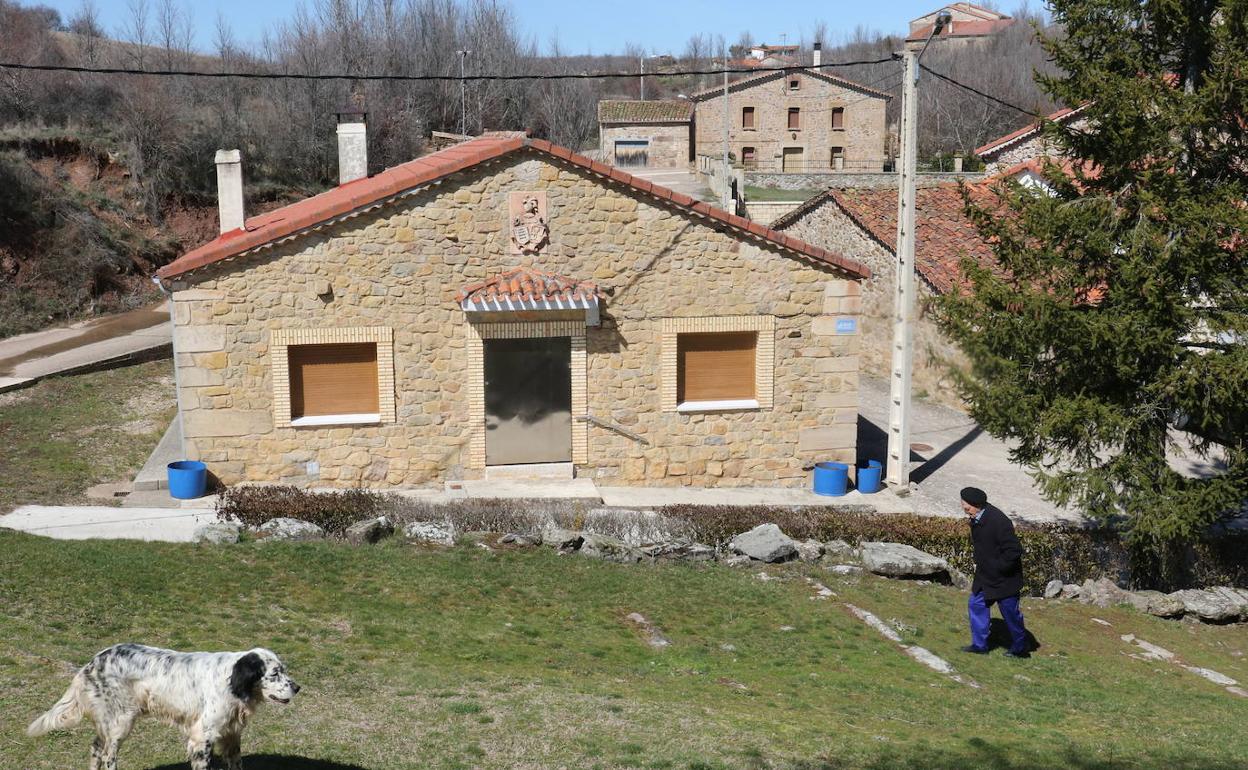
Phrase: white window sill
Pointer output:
(717, 406)
(335, 419)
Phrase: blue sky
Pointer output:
(582, 26)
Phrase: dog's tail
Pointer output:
(67, 711)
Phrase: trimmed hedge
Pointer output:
(331, 511)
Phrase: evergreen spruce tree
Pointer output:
(1121, 310)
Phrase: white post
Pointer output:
(352, 151)
(727, 203)
(230, 189)
(642, 77)
(898, 472)
(463, 95)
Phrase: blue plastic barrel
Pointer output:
(188, 479)
(869, 477)
(831, 479)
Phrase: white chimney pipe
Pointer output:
(818, 56)
(352, 150)
(230, 189)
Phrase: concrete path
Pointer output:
(961, 455)
(95, 344)
(89, 522)
(883, 501)
(680, 180)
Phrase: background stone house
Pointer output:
(506, 303)
(797, 121)
(1027, 147)
(968, 23)
(862, 224)
(646, 134)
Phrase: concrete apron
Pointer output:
(102, 522)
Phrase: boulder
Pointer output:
(840, 551)
(1237, 597)
(765, 543)
(609, 549)
(562, 539)
(1071, 591)
(290, 529)
(679, 550)
(1207, 605)
(218, 533)
(809, 550)
(900, 560)
(959, 580)
(736, 560)
(1157, 603)
(437, 532)
(513, 538)
(1103, 592)
(1053, 589)
(369, 530)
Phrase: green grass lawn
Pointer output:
(774, 194)
(416, 658)
(65, 434)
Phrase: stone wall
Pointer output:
(669, 143)
(1037, 146)
(829, 227)
(766, 212)
(862, 136)
(844, 179)
(400, 265)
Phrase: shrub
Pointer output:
(332, 511)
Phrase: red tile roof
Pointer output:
(354, 197)
(654, 111)
(752, 80)
(527, 285)
(943, 232)
(1026, 132)
(962, 29)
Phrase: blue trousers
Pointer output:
(980, 613)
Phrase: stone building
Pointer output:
(1026, 148)
(506, 306)
(797, 121)
(862, 224)
(968, 23)
(646, 134)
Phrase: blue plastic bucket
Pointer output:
(869, 477)
(188, 479)
(831, 479)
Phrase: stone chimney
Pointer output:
(230, 189)
(352, 145)
(818, 54)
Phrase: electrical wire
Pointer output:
(421, 78)
(978, 92)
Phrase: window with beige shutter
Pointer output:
(333, 380)
(747, 117)
(795, 118)
(838, 118)
(716, 366)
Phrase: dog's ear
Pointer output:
(246, 675)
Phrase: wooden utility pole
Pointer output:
(898, 472)
(463, 94)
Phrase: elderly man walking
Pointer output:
(998, 574)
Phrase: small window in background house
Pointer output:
(747, 156)
(838, 118)
(795, 118)
(747, 117)
(716, 366)
(333, 380)
(795, 84)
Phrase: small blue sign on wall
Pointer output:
(846, 325)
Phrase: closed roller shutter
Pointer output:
(333, 379)
(716, 366)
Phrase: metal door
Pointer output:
(528, 400)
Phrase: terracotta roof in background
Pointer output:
(762, 77)
(1026, 132)
(354, 197)
(943, 232)
(654, 111)
(527, 285)
(963, 29)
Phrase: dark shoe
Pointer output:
(974, 650)
(1017, 654)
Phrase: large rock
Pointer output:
(900, 560)
(809, 550)
(218, 532)
(609, 549)
(290, 529)
(1053, 589)
(1157, 603)
(1071, 591)
(436, 532)
(1207, 605)
(1103, 592)
(679, 550)
(369, 530)
(562, 539)
(1237, 597)
(765, 543)
(840, 552)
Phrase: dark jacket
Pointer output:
(998, 556)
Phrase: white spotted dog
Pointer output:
(210, 695)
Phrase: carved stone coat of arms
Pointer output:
(527, 230)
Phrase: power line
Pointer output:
(418, 78)
(977, 92)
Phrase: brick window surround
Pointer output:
(764, 359)
(282, 339)
(478, 333)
